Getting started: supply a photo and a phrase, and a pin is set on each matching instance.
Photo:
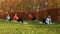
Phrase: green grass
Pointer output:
(31, 28)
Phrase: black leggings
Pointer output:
(20, 20)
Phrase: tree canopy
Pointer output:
(24, 5)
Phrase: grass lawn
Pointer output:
(30, 28)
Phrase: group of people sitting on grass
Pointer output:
(17, 19)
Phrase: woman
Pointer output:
(8, 18)
(16, 18)
(48, 20)
(30, 17)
